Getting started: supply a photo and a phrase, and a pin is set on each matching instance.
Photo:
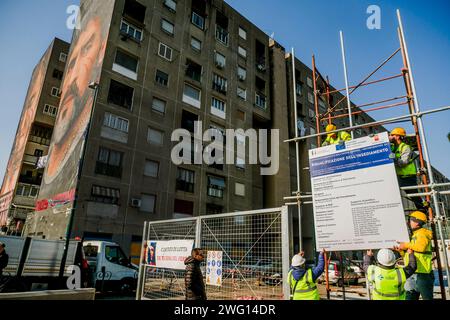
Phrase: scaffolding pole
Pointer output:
(419, 124)
(347, 92)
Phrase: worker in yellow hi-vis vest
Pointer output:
(302, 280)
(335, 137)
(422, 282)
(403, 154)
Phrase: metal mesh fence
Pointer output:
(255, 255)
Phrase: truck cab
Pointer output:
(110, 269)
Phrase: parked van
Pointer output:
(110, 269)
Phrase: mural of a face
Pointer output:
(23, 131)
(82, 68)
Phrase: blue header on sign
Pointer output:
(366, 157)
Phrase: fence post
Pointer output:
(140, 284)
(198, 232)
(285, 236)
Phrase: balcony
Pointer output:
(30, 180)
(30, 159)
(39, 140)
(108, 170)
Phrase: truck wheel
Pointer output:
(126, 286)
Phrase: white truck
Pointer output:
(34, 265)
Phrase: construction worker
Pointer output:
(422, 282)
(388, 281)
(302, 281)
(335, 138)
(404, 164)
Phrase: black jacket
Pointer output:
(193, 279)
(3, 261)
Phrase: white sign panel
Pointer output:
(168, 254)
(356, 197)
(214, 268)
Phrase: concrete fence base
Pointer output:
(80, 294)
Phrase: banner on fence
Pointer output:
(168, 254)
(214, 268)
(356, 197)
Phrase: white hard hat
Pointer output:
(386, 257)
(297, 260)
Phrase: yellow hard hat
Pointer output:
(419, 216)
(330, 127)
(399, 132)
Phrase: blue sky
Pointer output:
(27, 28)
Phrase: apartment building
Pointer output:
(24, 172)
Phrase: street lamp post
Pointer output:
(94, 86)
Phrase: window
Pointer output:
(148, 203)
(134, 10)
(56, 92)
(115, 122)
(120, 94)
(220, 60)
(222, 35)
(311, 113)
(218, 107)
(129, 30)
(219, 84)
(196, 44)
(151, 168)
(57, 74)
(239, 189)
(114, 254)
(165, 51)
(323, 108)
(240, 115)
(242, 73)
(240, 163)
(260, 100)
(105, 195)
(310, 98)
(309, 82)
(188, 120)
(191, 96)
(260, 56)
(125, 64)
(162, 78)
(27, 190)
(50, 110)
(183, 208)
(298, 88)
(109, 163)
(171, 5)
(167, 26)
(155, 136)
(312, 131)
(242, 93)
(242, 52)
(185, 180)
(213, 209)
(193, 70)
(242, 33)
(216, 186)
(63, 57)
(159, 105)
(197, 20)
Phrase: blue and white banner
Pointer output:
(356, 197)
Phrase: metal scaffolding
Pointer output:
(431, 189)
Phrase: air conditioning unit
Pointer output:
(241, 77)
(219, 65)
(136, 203)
